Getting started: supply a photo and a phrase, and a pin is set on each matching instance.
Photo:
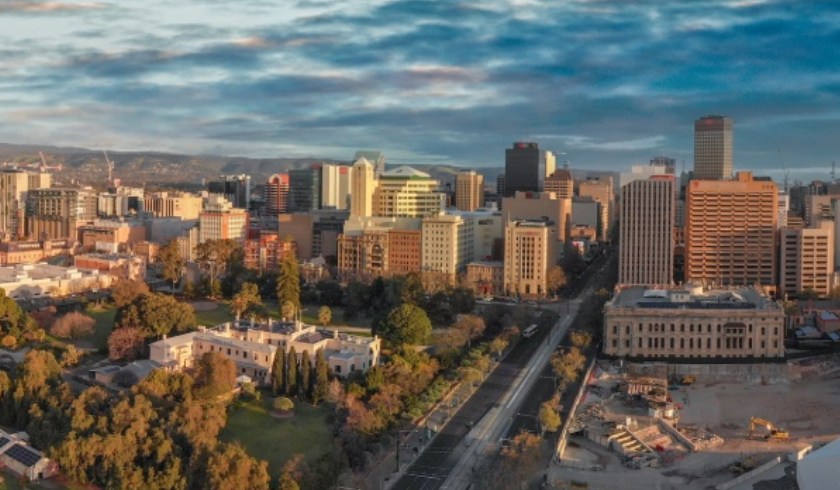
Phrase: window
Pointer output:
(709, 341)
(672, 327)
(762, 331)
(672, 341)
(615, 329)
(682, 327)
(640, 342)
(338, 369)
(615, 343)
(682, 343)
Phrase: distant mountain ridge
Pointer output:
(85, 166)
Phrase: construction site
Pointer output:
(654, 426)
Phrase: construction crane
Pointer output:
(110, 167)
(774, 433)
(44, 167)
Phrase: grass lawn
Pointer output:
(276, 440)
(104, 317)
(212, 318)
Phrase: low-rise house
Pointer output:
(25, 281)
(24, 460)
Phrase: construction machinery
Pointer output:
(773, 433)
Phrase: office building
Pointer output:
(220, 220)
(375, 158)
(807, 259)
(404, 251)
(601, 190)
(173, 205)
(266, 252)
(447, 247)
(528, 255)
(335, 186)
(525, 168)
(112, 236)
(713, 148)
(646, 248)
(406, 192)
(486, 278)
(642, 172)
(731, 231)
(527, 205)
(500, 186)
(693, 322)
(469, 191)
(277, 194)
(305, 189)
(57, 213)
(234, 188)
(561, 183)
(670, 164)
(364, 185)
(119, 202)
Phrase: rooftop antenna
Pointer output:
(784, 170)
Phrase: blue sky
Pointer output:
(610, 83)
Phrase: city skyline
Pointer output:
(606, 83)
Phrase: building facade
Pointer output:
(57, 213)
(447, 247)
(646, 248)
(469, 191)
(528, 255)
(677, 323)
(305, 189)
(525, 168)
(335, 186)
(486, 278)
(408, 193)
(221, 221)
(277, 194)
(806, 260)
(560, 183)
(713, 148)
(169, 205)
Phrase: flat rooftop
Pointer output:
(742, 298)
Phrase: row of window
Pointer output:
(728, 343)
(661, 327)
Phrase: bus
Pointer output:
(531, 330)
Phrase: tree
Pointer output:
(230, 468)
(405, 324)
(581, 339)
(13, 320)
(472, 327)
(549, 418)
(247, 300)
(157, 315)
(291, 373)
(412, 289)
(125, 378)
(304, 386)
(126, 344)
(278, 372)
(498, 345)
(322, 378)
(288, 284)
(283, 404)
(124, 291)
(171, 262)
(555, 279)
(215, 375)
(520, 460)
(214, 256)
(73, 325)
(325, 315)
(288, 311)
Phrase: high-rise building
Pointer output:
(58, 212)
(335, 186)
(731, 231)
(234, 188)
(277, 194)
(528, 205)
(528, 255)
(14, 185)
(469, 191)
(500, 186)
(713, 148)
(447, 247)
(167, 205)
(561, 183)
(646, 247)
(670, 164)
(376, 158)
(305, 189)
(220, 220)
(524, 168)
(364, 185)
(807, 259)
(406, 192)
(601, 190)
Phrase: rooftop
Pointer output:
(743, 298)
(405, 173)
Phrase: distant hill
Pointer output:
(156, 169)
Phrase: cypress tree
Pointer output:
(291, 373)
(288, 283)
(321, 379)
(278, 372)
(305, 387)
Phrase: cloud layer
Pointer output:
(608, 82)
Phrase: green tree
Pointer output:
(215, 375)
(405, 324)
(157, 315)
(291, 373)
(278, 372)
(124, 291)
(549, 418)
(471, 327)
(325, 315)
(305, 373)
(214, 256)
(288, 311)
(498, 345)
(230, 468)
(288, 284)
(247, 300)
(322, 378)
(172, 264)
(412, 289)
(283, 404)
(13, 320)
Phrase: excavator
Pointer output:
(774, 433)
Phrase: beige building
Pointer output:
(14, 185)
(528, 255)
(560, 182)
(601, 190)
(17, 456)
(807, 259)
(406, 192)
(58, 212)
(486, 278)
(469, 191)
(690, 323)
(363, 184)
(646, 248)
(221, 221)
(529, 205)
(336, 186)
(125, 266)
(447, 246)
(25, 281)
(179, 205)
(713, 148)
(731, 231)
(112, 235)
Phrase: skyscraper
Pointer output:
(235, 188)
(524, 168)
(561, 183)
(305, 189)
(469, 191)
(277, 194)
(646, 251)
(376, 158)
(731, 231)
(363, 186)
(335, 186)
(713, 148)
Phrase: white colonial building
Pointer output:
(25, 281)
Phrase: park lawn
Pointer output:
(276, 440)
(104, 316)
(211, 318)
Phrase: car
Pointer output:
(488, 298)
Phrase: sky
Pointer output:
(605, 83)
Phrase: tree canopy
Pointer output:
(124, 291)
(405, 324)
(157, 315)
(288, 284)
